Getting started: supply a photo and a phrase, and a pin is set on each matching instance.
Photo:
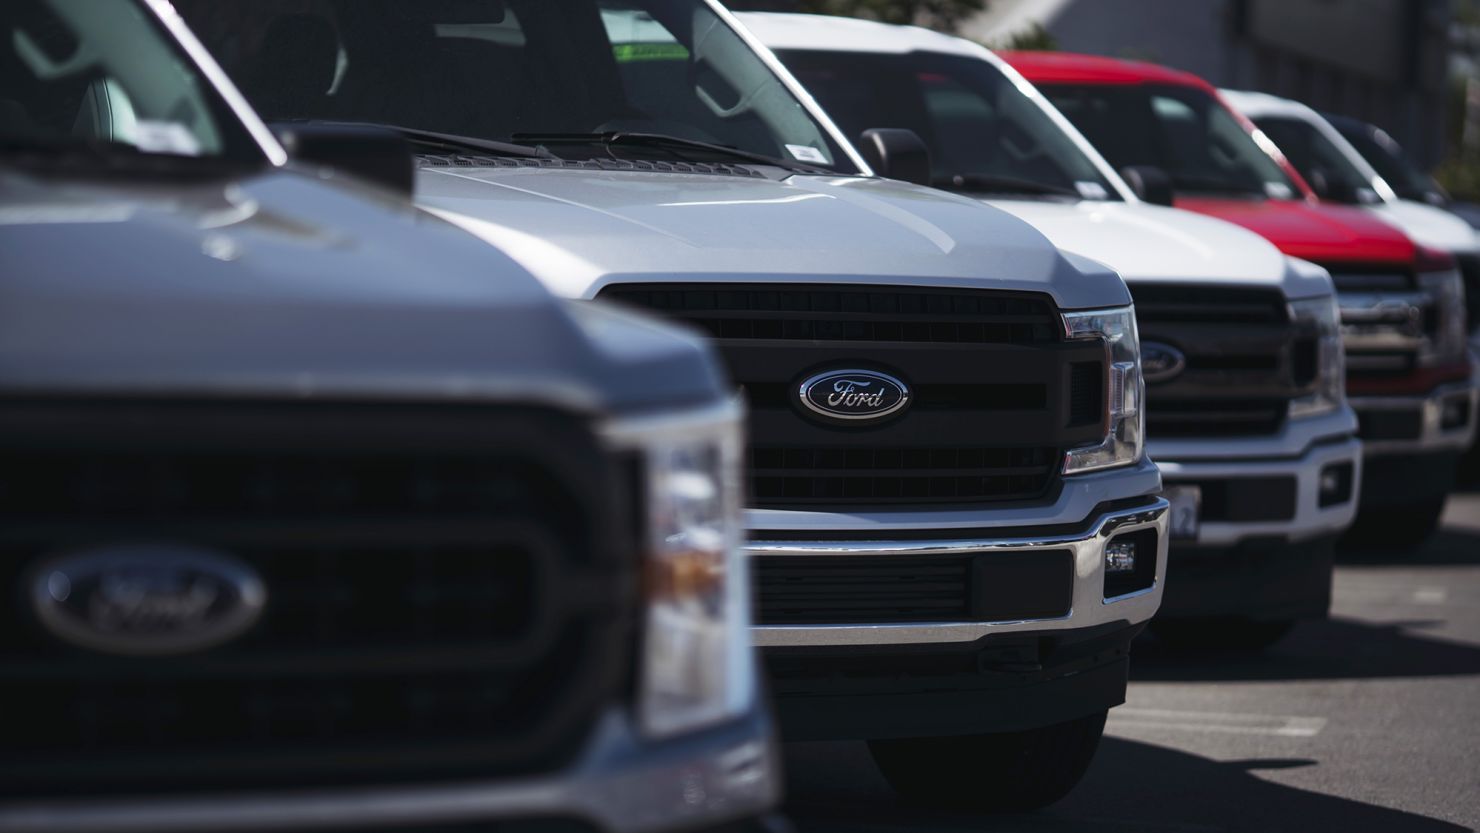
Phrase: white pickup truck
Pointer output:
(1246, 410)
(955, 561)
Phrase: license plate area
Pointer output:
(1185, 517)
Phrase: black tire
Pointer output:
(1007, 772)
(1401, 528)
(1228, 634)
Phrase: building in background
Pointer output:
(1383, 61)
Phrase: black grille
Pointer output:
(411, 559)
(941, 588)
(998, 393)
(900, 475)
(1245, 360)
(851, 313)
(1469, 266)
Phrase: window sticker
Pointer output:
(807, 153)
(1092, 190)
(165, 137)
(1278, 191)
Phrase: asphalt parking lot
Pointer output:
(1367, 722)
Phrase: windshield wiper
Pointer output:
(444, 141)
(674, 144)
(992, 184)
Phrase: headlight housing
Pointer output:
(697, 666)
(1324, 316)
(1125, 437)
(1448, 341)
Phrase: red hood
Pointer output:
(1319, 233)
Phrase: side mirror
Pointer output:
(1150, 183)
(1328, 188)
(896, 153)
(375, 155)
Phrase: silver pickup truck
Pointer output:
(319, 514)
(953, 528)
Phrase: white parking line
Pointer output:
(1228, 723)
(1431, 595)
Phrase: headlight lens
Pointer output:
(697, 666)
(1125, 440)
(1324, 316)
(1446, 290)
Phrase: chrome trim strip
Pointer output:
(1088, 609)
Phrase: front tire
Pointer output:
(1401, 527)
(1006, 772)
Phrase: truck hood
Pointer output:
(1149, 243)
(580, 230)
(282, 285)
(1319, 233)
(1430, 226)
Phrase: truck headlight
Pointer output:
(1324, 316)
(697, 666)
(1125, 437)
(1448, 341)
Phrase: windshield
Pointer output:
(984, 134)
(1320, 161)
(80, 76)
(1182, 130)
(515, 71)
(1392, 164)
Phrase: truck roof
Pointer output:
(1066, 67)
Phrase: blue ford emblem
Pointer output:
(1161, 362)
(854, 394)
(146, 600)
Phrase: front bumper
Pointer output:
(621, 784)
(1089, 607)
(1287, 501)
(1442, 420)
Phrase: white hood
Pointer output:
(1147, 243)
(1430, 226)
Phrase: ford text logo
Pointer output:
(146, 600)
(854, 394)
(1161, 362)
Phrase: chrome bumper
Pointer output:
(1433, 436)
(1090, 608)
(621, 785)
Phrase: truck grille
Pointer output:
(997, 587)
(1245, 360)
(998, 393)
(410, 558)
(1386, 319)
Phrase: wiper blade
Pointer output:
(68, 145)
(992, 184)
(659, 140)
(445, 141)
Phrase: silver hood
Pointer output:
(580, 230)
(280, 285)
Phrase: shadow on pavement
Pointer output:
(1335, 649)
(1132, 786)
(1448, 546)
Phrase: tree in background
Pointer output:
(1460, 173)
(943, 15)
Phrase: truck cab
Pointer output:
(953, 526)
(319, 513)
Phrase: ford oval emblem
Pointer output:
(854, 394)
(146, 600)
(1161, 362)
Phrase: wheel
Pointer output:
(1011, 771)
(1401, 527)
(1228, 634)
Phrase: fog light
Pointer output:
(1335, 484)
(1456, 413)
(1120, 557)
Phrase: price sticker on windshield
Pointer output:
(808, 154)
